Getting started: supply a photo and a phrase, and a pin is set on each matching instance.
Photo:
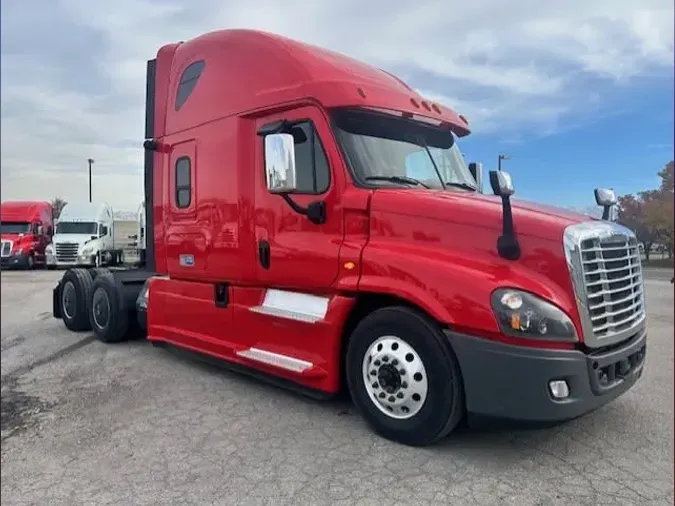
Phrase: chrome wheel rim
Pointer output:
(69, 300)
(100, 306)
(395, 377)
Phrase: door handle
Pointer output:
(264, 253)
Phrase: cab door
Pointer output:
(292, 251)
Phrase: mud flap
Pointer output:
(56, 301)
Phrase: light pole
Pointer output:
(91, 161)
(502, 156)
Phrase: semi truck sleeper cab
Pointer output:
(85, 236)
(27, 229)
(310, 218)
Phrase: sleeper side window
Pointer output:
(312, 169)
(188, 81)
(183, 182)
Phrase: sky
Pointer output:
(579, 93)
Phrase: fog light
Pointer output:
(559, 389)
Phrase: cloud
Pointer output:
(73, 75)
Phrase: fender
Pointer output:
(455, 289)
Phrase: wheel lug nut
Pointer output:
(401, 372)
(404, 385)
(399, 395)
(377, 363)
(375, 385)
(392, 399)
(373, 372)
(385, 359)
(394, 362)
(382, 395)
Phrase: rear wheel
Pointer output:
(75, 294)
(108, 316)
(404, 378)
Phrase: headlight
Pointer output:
(522, 314)
(87, 251)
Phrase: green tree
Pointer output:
(650, 213)
(632, 215)
(57, 206)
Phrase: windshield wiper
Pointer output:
(398, 179)
(423, 143)
(464, 186)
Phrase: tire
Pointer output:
(74, 299)
(98, 271)
(428, 398)
(109, 319)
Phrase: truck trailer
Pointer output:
(27, 229)
(85, 236)
(310, 220)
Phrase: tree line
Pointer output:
(649, 213)
(57, 206)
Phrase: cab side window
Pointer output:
(187, 83)
(183, 182)
(312, 170)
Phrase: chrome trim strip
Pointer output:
(297, 306)
(276, 360)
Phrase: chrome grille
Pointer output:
(604, 262)
(66, 251)
(6, 248)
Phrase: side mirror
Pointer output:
(507, 244)
(280, 163)
(39, 230)
(501, 183)
(103, 231)
(605, 198)
(476, 170)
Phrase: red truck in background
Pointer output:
(27, 229)
(310, 219)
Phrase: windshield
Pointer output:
(79, 227)
(13, 227)
(383, 150)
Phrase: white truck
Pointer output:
(138, 240)
(84, 237)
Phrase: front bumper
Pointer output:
(80, 261)
(18, 261)
(512, 382)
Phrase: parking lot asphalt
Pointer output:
(129, 424)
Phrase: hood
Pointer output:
(441, 246)
(75, 238)
(477, 210)
(16, 238)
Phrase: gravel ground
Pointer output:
(129, 424)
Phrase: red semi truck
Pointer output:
(27, 229)
(310, 219)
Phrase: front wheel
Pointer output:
(403, 377)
